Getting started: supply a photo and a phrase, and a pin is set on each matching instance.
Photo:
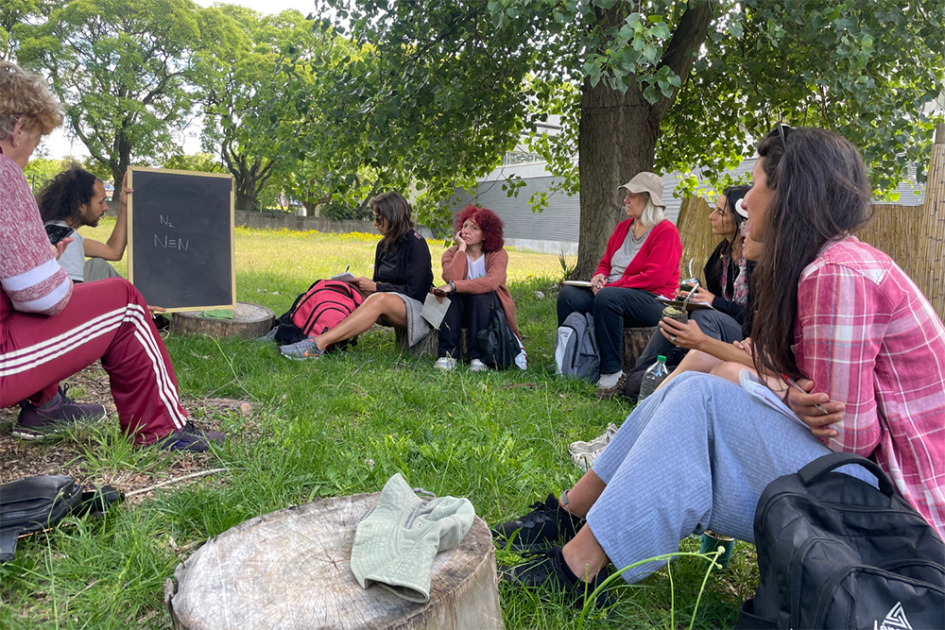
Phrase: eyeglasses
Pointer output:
(378, 220)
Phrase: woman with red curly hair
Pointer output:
(474, 270)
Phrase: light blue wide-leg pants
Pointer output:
(695, 455)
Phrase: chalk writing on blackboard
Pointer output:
(171, 243)
(166, 220)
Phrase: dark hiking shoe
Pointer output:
(35, 423)
(610, 392)
(547, 571)
(192, 439)
(305, 349)
(548, 523)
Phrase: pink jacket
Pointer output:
(497, 262)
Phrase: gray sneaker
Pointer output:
(305, 349)
(192, 439)
(34, 422)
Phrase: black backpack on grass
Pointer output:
(497, 342)
(36, 503)
(835, 552)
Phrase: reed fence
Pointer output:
(914, 236)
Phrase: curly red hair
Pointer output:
(487, 220)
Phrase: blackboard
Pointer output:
(180, 238)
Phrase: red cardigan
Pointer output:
(655, 268)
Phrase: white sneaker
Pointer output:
(583, 454)
(478, 366)
(608, 380)
(445, 363)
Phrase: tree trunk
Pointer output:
(618, 135)
(617, 140)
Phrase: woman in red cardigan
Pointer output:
(474, 271)
(641, 262)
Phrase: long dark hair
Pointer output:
(63, 197)
(395, 211)
(821, 192)
(733, 195)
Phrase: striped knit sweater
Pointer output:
(30, 279)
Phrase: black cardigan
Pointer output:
(414, 269)
(713, 283)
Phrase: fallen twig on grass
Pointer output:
(202, 473)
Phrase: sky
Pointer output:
(57, 145)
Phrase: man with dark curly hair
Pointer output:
(76, 198)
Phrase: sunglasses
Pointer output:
(782, 131)
(378, 220)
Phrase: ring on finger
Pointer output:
(672, 338)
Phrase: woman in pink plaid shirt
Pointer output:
(834, 313)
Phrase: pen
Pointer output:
(347, 268)
(790, 381)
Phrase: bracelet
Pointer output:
(452, 286)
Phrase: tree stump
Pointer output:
(290, 570)
(249, 321)
(429, 346)
(634, 343)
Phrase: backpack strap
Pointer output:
(8, 538)
(823, 465)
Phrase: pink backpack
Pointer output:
(322, 307)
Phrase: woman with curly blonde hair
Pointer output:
(50, 329)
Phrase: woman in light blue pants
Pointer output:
(833, 313)
(702, 465)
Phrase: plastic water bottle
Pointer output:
(652, 378)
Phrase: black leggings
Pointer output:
(466, 310)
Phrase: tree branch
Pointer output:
(689, 36)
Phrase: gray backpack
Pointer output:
(576, 348)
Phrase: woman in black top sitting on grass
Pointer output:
(726, 276)
(394, 296)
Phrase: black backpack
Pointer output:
(498, 344)
(36, 503)
(835, 552)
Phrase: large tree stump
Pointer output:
(290, 570)
(634, 343)
(249, 321)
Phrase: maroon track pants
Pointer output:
(105, 320)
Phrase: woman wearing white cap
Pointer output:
(641, 262)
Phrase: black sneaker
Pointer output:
(547, 524)
(192, 439)
(35, 422)
(547, 571)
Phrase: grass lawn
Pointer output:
(339, 425)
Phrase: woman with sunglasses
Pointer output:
(394, 295)
(838, 315)
(726, 273)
